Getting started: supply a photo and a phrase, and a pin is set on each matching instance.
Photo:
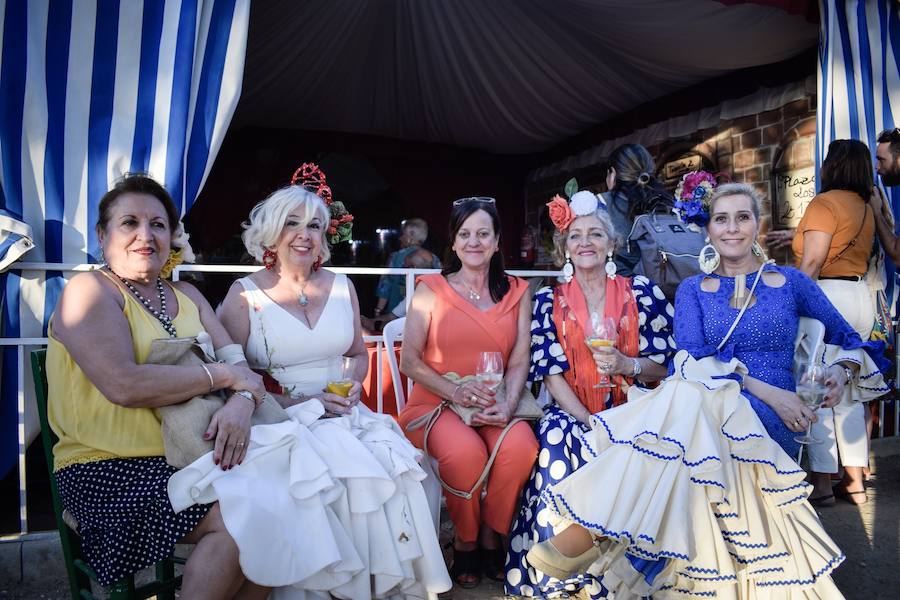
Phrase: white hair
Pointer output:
(267, 219)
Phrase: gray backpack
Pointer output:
(669, 250)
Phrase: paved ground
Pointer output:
(869, 535)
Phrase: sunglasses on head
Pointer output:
(483, 199)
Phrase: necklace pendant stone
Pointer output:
(303, 300)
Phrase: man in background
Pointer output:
(391, 289)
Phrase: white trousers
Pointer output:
(842, 429)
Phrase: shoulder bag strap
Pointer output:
(852, 241)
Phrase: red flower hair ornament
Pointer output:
(340, 227)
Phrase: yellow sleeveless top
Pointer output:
(89, 426)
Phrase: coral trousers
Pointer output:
(462, 452)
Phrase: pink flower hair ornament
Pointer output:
(312, 178)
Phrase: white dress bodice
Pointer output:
(299, 358)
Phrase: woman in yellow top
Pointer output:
(833, 244)
(110, 467)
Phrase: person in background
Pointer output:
(633, 191)
(833, 244)
(391, 289)
(421, 258)
(887, 163)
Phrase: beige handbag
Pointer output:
(527, 410)
(184, 424)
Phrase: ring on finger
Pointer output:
(473, 398)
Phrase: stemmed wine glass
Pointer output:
(489, 370)
(811, 388)
(603, 332)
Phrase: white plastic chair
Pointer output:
(808, 346)
(393, 332)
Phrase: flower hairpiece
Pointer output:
(181, 251)
(692, 198)
(582, 203)
(340, 226)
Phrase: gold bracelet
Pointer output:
(212, 384)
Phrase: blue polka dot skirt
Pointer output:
(125, 520)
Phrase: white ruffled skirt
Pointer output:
(687, 473)
(325, 506)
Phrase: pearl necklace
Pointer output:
(473, 295)
(160, 314)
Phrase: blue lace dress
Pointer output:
(561, 437)
(764, 338)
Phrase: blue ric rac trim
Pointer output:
(792, 500)
(586, 444)
(740, 439)
(734, 533)
(731, 515)
(556, 499)
(719, 578)
(874, 389)
(701, 570)
(750, 561)
(769, 570)
(707, 482)
(631, 443)
(870, 375)
(767, 462)
(709, 594)
(827, 568)
(744, 545)
(787, 489)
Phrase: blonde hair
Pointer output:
(267, 219)
(736, 189)
(417, 228)
(559, 237)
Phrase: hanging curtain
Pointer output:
(90, 90)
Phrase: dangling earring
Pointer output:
(758, 251)
(269, 259)
(708, 263)
(568, 270)
(317, 264)
(103, 262)
(610, 265)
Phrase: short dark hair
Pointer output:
(848, 166)
(498, 283)
(136, 183)
(892, 137)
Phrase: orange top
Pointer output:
(459, 332)
(840, 213)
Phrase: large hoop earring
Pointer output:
(269, 259)
(610, 265)
(568, 270)
(708, 262)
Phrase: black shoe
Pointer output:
(493, 563)
(465, 563)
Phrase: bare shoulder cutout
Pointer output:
(773, 279)
(710, 284)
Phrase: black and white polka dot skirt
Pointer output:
(125, 519)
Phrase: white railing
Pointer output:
(23, 361)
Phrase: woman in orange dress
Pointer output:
(472, 307)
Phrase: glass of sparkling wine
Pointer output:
(602, 333)
(340, 377)
(811, 388)
(489, 370)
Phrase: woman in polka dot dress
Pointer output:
(569, 371)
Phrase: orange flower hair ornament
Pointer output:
(311, 177)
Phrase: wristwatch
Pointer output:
(635, 367)
(849, 373)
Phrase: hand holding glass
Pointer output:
(602, 333)
(811, 389)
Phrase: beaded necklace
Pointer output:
(160, 314)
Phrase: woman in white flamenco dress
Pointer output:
(328, 503)
(693, 490)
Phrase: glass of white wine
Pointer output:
(602, 333)
(811, 388)
(489, 370)
(340, 377)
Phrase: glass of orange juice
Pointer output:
(340, 377)
(602, 333)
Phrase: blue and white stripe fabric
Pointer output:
(89, 90)
(859, 79)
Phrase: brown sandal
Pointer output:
(850, 497)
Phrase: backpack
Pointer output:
(669, 250)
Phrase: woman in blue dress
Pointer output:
(694, 490)
(565, 365)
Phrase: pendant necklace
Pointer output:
(160, 314)
(302, 298)
(473, 295)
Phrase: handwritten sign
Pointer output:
(794, 189)
(686, 164)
